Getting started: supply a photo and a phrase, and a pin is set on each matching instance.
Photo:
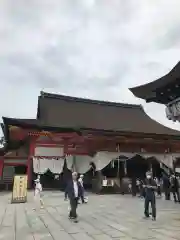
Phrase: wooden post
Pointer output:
(125, 167)
(74, 163)
(1, 166)
(29, 160)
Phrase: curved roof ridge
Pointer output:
(25, 119)
(160, 124)
(173, 72)
(148, 90)
(87, 100)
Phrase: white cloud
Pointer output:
(92, 48)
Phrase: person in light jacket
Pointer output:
(38, 192)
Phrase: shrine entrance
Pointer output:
(20, 170)
(47, 179)
(155, 167)
(137, 167)
(115, 169)
(50, 170)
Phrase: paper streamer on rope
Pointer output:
(41, 165)
(102, 159)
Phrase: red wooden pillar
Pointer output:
(29, 161)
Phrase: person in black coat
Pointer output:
(74, 192)
(166, 186)
(175, 188)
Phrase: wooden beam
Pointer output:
(15, 164)
(14, 158)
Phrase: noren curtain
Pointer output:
(41, 165)
(82, 163)
(102, 159)
(69, 161)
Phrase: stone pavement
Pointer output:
(105, 217)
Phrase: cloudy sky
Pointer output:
(85, 48)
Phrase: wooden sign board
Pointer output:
(19, 194)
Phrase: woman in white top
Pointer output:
(38, 192)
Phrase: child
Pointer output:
(38, 192)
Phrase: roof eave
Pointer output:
(80, 130)
(139, 93)
(38, 109)
(146, 91)
(127, 133)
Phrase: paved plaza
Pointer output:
(105, 217)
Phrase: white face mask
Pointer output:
(148, 176)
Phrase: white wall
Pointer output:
(49, 151)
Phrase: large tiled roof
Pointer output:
(65, 111)
(34, 124)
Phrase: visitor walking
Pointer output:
(141, 189)
(150, 188)
(133, 186)
(175, 188)
(38, 193)
(82, 187)
(65, 194)
(74, 191)
(166, 186)
(158, 183)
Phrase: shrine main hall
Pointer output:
(114, 140)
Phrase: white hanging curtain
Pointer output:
(69, 161)
(36, 165)
(82, 163)
(44, 165)
(56, 165)
(41, 165)
(102, 159)
(167, 158)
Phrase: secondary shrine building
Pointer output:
(102, 140)
(166, 91)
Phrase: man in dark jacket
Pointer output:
(74, 192)
(166, 186)
(175, 188)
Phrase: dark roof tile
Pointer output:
(64, 111)
(148, 91)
